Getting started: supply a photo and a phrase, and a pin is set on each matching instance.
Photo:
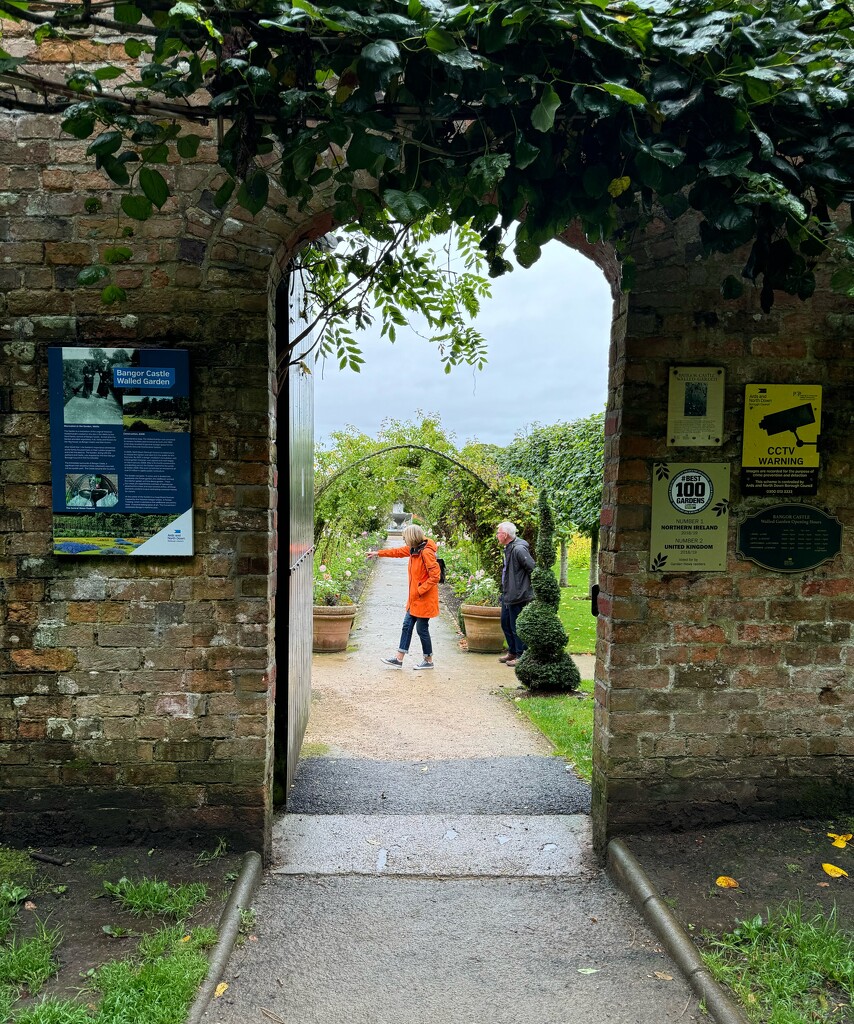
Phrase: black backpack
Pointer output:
(441, 564)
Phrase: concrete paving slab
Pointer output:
(469, 845)
(358, 950)
(478, 785)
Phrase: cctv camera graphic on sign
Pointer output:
(780, 449)
(788, 420)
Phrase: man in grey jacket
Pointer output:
(516, 589)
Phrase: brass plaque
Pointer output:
(690, 517)
(695, 406)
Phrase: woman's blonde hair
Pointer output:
(412, 536)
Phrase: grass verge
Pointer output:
(154, 984)
(787, 968)
(567, 721)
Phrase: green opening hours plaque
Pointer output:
(789, 537)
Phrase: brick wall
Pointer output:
(720, 694)
(137, 696)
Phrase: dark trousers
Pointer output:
(509, 614)
(422, 625)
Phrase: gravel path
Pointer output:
(362, 708)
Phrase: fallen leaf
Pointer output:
(823, 885)
(220, 989)
(725, 882)
(589, 970)
(186, 938)
(840, 841)
(834, 871)
(662, 976)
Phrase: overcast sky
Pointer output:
(547, 329)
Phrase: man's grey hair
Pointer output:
(508, 528)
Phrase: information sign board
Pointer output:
(782, 423)
(695, 406)
(690, 516)
(120, 451)
(789, 537)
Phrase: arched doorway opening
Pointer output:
(600, 255)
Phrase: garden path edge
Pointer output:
(626, 872)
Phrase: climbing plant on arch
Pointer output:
(453, 492)
(583, 111)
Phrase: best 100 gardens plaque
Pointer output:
(690, 515)
(120, 451)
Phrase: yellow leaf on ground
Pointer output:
(221, 987)
(662, 976)
(834, 871)
(186, 938)
(725, 882)
(840, 841)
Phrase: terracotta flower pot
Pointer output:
(331, 627)
(483, 628)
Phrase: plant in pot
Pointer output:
(333, 611)
(481, 612)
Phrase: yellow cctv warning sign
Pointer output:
(782, 425)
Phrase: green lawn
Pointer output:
(575, 615)
(568, 722)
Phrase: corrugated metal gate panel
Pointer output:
(300, 565)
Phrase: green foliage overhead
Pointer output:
(571, 110)
(404, 278)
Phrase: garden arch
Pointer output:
(391, 448)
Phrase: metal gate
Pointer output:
(293, 617)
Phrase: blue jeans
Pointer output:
(422, 625)
(509, 614)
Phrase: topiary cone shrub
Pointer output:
(545, 665)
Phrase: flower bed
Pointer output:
(342, 570)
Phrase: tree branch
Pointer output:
(44, 87)
(328, 312)
(33, 108)
(84, 19)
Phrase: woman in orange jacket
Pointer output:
(422, 603)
